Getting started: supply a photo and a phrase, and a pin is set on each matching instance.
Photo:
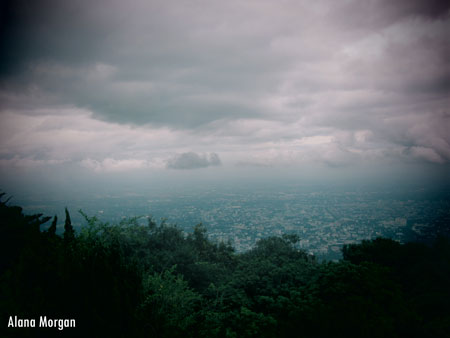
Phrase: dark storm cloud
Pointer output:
(69, 32)
(369, 77)
(194, 62)
(169, 68)
(433, 9)
(360, 15)
(193, 160)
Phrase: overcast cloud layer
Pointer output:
(161, 85)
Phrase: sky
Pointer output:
(171, 90)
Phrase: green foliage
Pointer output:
(423, 273)
(43, 275)
(154, 280)
(169, 307)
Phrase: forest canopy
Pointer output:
(154, 280)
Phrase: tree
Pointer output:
(69, 233)
(170, 308)
(52, 229)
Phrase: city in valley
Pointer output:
(324, 218)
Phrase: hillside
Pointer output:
(129, 280)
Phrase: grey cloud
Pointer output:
(193, 160)
(69, 32)
(433, 9)
(374, 14)
(53, 46)
(205, 66)
(189, 53)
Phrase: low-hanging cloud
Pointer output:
(191, 160)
